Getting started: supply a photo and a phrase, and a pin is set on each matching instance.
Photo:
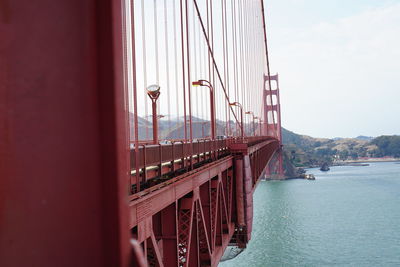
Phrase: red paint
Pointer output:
(66, 182)
(208, 207)
(276, 125)
(63, 158)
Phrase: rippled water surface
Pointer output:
(349, 216)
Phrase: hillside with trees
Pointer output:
(306, 151)
(387, 146)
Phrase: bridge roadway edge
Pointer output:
(182, 185)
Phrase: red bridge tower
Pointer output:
(272, 125)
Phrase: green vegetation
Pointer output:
(387, 146)
(305, 151)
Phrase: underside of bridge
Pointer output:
(77, 186)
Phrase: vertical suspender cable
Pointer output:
(135, 106)
(241, 54)
(144, 67)
(209, 54)
(246, 87)
(188, 70)
(127, 95)
(167, 63)
(189, 84)
(156, 50)
(224, 59)
(234, 53)
(156, 43)
(211, 38)
(195, 62)
(176, 62)
(183, 71)
(267, 58)
(227, 66)
(201, 74)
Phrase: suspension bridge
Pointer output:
(133, 132)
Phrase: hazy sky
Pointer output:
(339, 65)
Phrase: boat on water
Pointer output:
(325, 167)
(305, 176)
(309, 177)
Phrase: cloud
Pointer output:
(341, 78)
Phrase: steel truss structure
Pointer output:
(190, 220)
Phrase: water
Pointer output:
(349, 216)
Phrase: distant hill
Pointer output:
(306, 151)
(173, 128)
(365, 138)
(304, 141)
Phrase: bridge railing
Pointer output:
(152, 164)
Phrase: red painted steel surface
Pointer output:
(63, 163)
(159, 162)
(272, 106)
(190, 219)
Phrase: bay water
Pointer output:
(348, 216)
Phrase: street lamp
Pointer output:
(153, 91)
(237, 104)
(254, 128)
(212, 104)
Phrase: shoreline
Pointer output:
(341, 163)
(356, 162)
(372, 160)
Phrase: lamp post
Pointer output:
(153, 91)
(237, 104)
(212, 104)
(254, 127)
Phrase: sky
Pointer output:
(339, 65)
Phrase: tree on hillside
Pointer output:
(387, 145)
(344, 154)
